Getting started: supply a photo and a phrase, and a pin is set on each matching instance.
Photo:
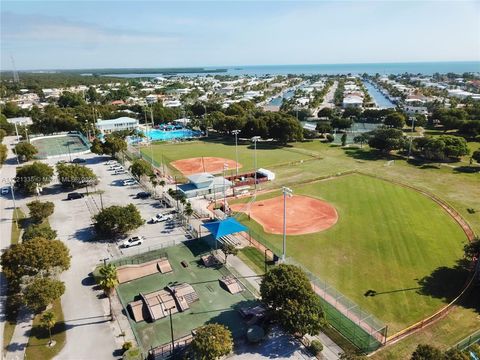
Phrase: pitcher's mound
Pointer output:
(213, 165)
(305, 215)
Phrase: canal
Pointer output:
(380, 99)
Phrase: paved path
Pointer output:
(16, 349)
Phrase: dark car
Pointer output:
(79, 161)
(74, 195)
(143, 195)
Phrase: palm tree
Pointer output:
(108, 282)
(48, 321)
(162, 183)
(154, 182)
(188, 211)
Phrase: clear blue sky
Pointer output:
(87, 34)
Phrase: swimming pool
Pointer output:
(159, 135)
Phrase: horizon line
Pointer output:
(215, 67)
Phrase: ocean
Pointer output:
(425, 68)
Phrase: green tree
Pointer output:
(40, 210)
(3, 133)
(361, 139)
(287, 292)
(323, 127)
(41, 292)
(97, 147)
(455, 354)
(188, 211)
(69, 99)
(39, 231)
(344, 139)
(386, 139)
(114, 145)
(441, 147)
(426, 352)
(117, 220)
(141, 168)
(3, 153)
(25, 150)
(340, 123)
(75, 176)
(30, 177)
(228, 249)
(476, 156)
(395, 120)
(212, 341)
(108, 281)
(48, 321)
(34, 256)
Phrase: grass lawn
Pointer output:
(387, 239)
(268, 155)
(37, 343)
(11, 311)
(215, 304)
(253, 258)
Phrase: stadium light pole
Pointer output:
(255, 139)
(236, 132)
(171, 327)
(225, 167)
(286, 192)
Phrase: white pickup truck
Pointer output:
(161, 217)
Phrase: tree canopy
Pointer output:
(395, 120)
(25, 150)
(287, 292)
(41, 292)
(141, 168)
(117, 220)
(40, 210)
(31, 176)
(441, 148)
(75, 175)
(211, 341)
(34, 256)
(386, 139)
(39, 231)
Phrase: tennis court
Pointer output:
(215, 304)
(60, 145)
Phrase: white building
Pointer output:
(172, 103)
(119, 124)
(352, 101)
(152, 98)
(20, 121)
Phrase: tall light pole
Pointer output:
(255, 139)
(15, 212)
(286, 192)
(411, 138)
(236, 132)
(171, 327)
(225, 167)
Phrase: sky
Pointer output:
(153, 34)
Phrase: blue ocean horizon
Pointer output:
(425, 68)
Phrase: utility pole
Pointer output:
(255, 139)
(286, 192)
(236, 132)
(411, 138)
(14, 204)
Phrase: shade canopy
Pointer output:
(224, 227)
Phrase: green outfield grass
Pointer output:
(387, 239)
(268, 155)
(215, 304)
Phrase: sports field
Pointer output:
(387, 239)
(268, 155)
(215, 304)
(59, 145)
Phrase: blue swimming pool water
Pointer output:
(159, 135)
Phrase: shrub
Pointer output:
(330, 138)
(316, 347)
(127, 345)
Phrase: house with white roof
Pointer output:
(119, 124)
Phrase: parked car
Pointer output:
(116, 167)
(161, 217)
(133, 241)
(129, 182)
(74, 195)
(5, 190)
(143, 195)
(120, 172)
(111, 162)
(79, 161)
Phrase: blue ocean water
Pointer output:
(426, 68)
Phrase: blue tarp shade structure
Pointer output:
(224, 227)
